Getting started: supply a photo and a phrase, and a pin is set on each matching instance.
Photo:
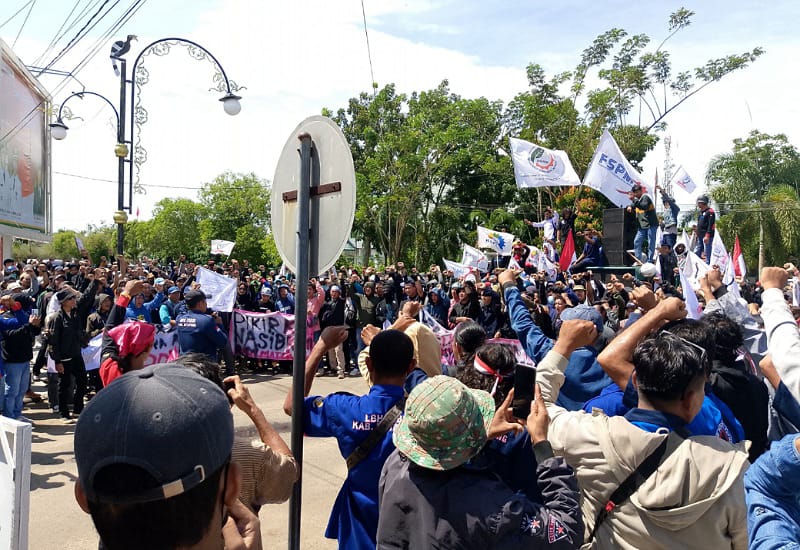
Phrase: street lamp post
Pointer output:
(126, 150)
(59, 131)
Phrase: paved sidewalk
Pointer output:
(56, 521)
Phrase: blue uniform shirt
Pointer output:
(350, 418)
(199, 333)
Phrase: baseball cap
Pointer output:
(636, 187)
(703, 199)
(194, 297)
(159, 280)
(584, 313)
(445, 423)
(335, 288)
(579, 287)
(487, 292)
(173, 289)
(165, 419)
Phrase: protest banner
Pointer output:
(496, 240)
(220, 290)
(473, 257)
(165, 349)
(459, 270)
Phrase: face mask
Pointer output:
(551, 300)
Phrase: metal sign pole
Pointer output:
(301, 303)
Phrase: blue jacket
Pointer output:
(772, 486)
(199, 333)
(584, 377)
(350, 419)
(715, 417)
(440, 309)
(144, 313)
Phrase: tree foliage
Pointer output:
(429, 166)
(759, 182)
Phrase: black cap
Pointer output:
(194, 297)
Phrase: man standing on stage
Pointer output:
(670, 218)
(706, 225)
(645, 210)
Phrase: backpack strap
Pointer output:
(375, 436)
(637, 478)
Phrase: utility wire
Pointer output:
(369, 51)
(4, 23)
(33, 3)
(137, 4)
(78, 36)
(57, 35)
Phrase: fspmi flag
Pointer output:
(222, 247)
(496, 240)
(474, 257)
(683, 180)
(535, 166)
(611, 173)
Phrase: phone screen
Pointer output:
(524, 382)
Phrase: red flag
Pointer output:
(738, 259)
(567, 253)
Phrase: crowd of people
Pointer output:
(646, 428)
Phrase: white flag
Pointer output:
(693, 270)
(693, 309)
(496, 240)
(221, 247)
(220, 290)
(535, 166)
(459, 270)
(683, 180)
(474, 257)
(611, 173)
(719, 254)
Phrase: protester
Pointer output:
(426, 492)
(706, 227)
(642, 205)
(351, 419)
(690, 493)
(198, 331)
(18, 329)
(165, 479)
(268, 468)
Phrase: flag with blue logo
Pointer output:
(611, 173)
(496, 240)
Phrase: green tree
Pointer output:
(173, 229)
(64, 244)
(760, 176)
(236, 208)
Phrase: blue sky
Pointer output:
(297, 57)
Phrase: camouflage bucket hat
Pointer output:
(445, 423)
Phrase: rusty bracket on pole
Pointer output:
(324, 189)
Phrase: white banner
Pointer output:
(683, 180)
(222, 247)
(693, 270)
(496, 240)
(220, 290)
(535, 166)
(719, 254)
(693, 309)
(474, 257)
(459, 270)
(611, 173)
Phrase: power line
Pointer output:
(57, 35)
(33, 3)
(369, 51)
(4, 23)
(75, 39)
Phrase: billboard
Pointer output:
(24, 151)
